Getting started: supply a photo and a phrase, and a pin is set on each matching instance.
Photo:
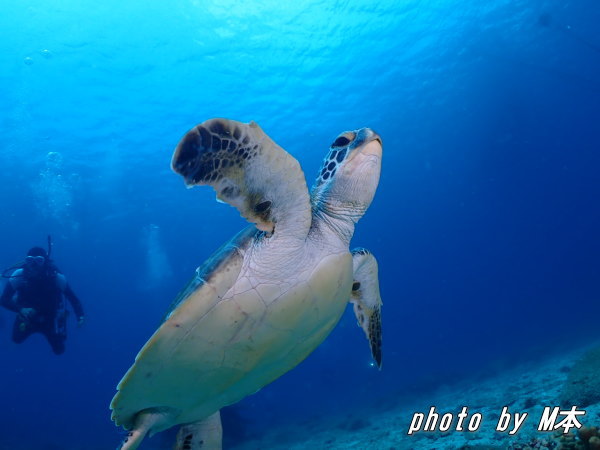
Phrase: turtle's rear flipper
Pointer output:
(206, 434)
(145, 422)
(366, 299)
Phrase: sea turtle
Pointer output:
(268, 297)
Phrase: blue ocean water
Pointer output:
(485, 224)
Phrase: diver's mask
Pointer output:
(35, 261)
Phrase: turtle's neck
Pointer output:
(334, 220)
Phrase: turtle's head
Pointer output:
(349, 176)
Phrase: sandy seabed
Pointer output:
(527, 388)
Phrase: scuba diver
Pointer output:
(37, 291)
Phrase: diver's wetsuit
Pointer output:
(46, 294)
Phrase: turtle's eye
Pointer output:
(343, 139)
(341, 142)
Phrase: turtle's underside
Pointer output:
(268, 297)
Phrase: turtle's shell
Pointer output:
(231, 332)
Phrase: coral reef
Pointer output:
(587, 438)
(536, 443)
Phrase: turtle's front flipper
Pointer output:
(206, 434)
(250, 172)
(366, 299)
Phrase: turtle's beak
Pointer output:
(366, 143)
(368, 148)
(373, 145)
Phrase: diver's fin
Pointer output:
(206, 434)
(366, 299)
(248, 170)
